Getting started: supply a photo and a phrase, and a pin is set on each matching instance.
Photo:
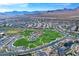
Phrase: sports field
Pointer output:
(47, 35)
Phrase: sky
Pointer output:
(22, 6)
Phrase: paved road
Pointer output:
(30, 50)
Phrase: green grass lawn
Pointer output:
(27, 32)
(47, 36)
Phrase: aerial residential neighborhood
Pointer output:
(39, 30)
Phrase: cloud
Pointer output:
(3, 10)
(13, 7)
(5, 2)
(66, 4)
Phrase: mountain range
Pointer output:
(50, 13)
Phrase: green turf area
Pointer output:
(47, 36)
(26, 32)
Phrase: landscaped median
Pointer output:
(47, 35)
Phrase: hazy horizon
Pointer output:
(36, 6)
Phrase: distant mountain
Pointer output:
(50, 14)
(57, 14)
(13, 13)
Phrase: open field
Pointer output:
(47, 35)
